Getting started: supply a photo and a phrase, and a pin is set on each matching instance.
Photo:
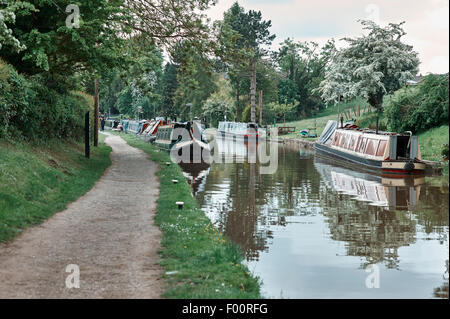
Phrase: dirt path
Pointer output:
(109, 233)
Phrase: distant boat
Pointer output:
(236, 130)
(384, 152)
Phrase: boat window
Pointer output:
(358, 142)
(362, 145)
(336, 138)
(351, 144)
(381, 148)
(372, 145)
(342, 140)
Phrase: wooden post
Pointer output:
(253, 93)
(87, 150)
(260, 107)
(96, 114)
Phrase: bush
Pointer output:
(445, 152)
(273, 111)
(369, 120)
(419, 108)
(30, 109)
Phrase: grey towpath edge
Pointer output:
(109, 233)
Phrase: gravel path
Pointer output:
(109, 233)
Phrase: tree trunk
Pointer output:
(238, 106)
(253, 93)
(260, 107)
(96, 97)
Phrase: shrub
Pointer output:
(419, 108)
(30, 109)
(369, 120)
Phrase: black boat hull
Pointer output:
(382, 167)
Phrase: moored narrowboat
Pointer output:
(383, 152)
(182, 137)
(238, 131)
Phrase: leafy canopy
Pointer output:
(370, 66)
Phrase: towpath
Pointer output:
(109, 234)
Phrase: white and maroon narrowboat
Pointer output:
(238, 131)
(383, 152)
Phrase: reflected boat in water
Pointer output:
(377, 190)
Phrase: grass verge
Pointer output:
(431, 145)
(37, 181)
(199, 261)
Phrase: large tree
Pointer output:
(303, 66)
(371, 66)
(249, 38)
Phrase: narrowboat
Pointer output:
(180, 137)
(382, 152)
(238, 131)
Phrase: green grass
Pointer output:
(207, 265)
(38, 180)
(320, 120)
(431, 143)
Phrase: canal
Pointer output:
(314, 229)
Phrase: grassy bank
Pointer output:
(431, 143)
(198, 260)
(37, 181)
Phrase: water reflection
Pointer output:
(394, 193)
(297, 225)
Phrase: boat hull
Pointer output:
(384, 167)
(237, 137)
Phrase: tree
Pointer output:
(303, 66)
(50, 45)
(371, 66)
(8, 11)
(252, 35)
(220, 104)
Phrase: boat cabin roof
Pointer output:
(355, 128)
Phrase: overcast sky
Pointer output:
(427, 22)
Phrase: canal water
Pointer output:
(314, 229)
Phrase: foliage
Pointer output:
(195, 79)
(8, 10)
(420, 107)
(50, 44)
(445, 151)
(220, 104)
(243, 37)
(371, 66)
(279, 112)
(303, 66)
(32, 110)
(369, 120)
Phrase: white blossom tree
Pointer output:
(371, 66)
(8, 9)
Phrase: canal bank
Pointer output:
(104, 245)
(38, 179)
(198, 260)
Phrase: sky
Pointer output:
(426, 22)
